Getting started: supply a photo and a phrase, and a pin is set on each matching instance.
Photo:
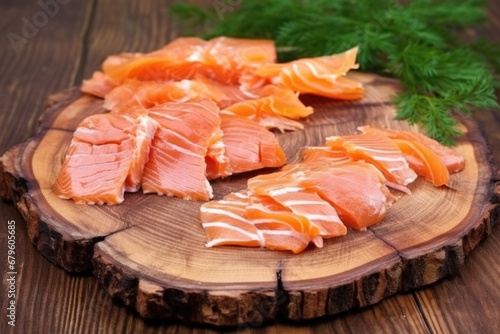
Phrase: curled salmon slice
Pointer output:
(453, 161)
(323, 76)
(316, 210)
(276, 110)
(424, 161)
(375, 147)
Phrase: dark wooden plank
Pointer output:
(126, 26)
(38, 57)
(40, 50)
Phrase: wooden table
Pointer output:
(57, 51)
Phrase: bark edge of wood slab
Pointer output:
(154, 259)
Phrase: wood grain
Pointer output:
(52, 301)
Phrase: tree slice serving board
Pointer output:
(150, 253)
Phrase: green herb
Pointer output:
(421, 43)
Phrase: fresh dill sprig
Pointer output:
(420, 43)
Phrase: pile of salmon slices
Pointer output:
(342, 184)
(191, 112)
(198, 110)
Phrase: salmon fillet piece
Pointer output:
(453, 161)
(104, 159)
(150, 93)
(176, 165)
(276, 109)
(375, 147)
(225, 223)
(249, 146)
(324, 76)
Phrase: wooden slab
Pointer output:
(149, 252)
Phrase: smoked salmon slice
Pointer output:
(176, 61)
(316, 210)
(354, 190)
(375, 147)
(144, 132)
(276, 109)
(100, 158)
(249, 146)
(222, 59)
(176, 165)
(453, 161)
(150, 93)
(216, 159)
(323, 76)
(98, 85)
(226, 59)
(424, 161)
(225, 223)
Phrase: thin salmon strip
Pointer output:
(302, 211)
(323, 76)
(149, 93)
(453, 161)
(98, 85)
(320, 154)
(98, 160)
(375, 147)
(322, 158)
(225, 223)
(424, 161)
(272, 111)
(153, 67)
(249, 146)
(176, 165)
(285, 240)
(285, 180)
(266, 213)
(144, 133)
(316, 210)
(216, 159)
